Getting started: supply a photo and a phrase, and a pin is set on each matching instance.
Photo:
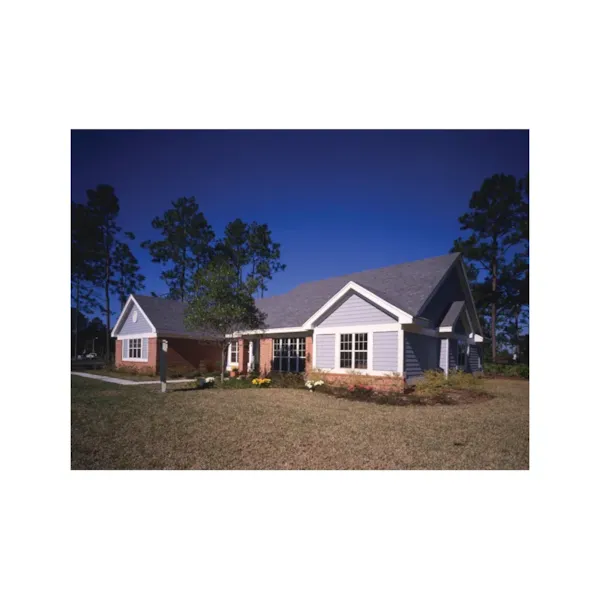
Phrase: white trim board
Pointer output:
(274, 330)
(137, 335)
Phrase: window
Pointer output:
(134, 317)
(353, 351)
(134, 349)
(235, 354)
(462, 354)
(289, 354)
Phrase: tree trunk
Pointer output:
(223, 361)
(517, 349)
(493, 323)
(77, 317)
(107, 296)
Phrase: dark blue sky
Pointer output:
(337, 201)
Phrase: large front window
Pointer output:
(353, 351)
(289, 354)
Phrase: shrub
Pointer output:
(236, 383)
(434, 384)
(287, 380)
(463, 381)
(511, 370)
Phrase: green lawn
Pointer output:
(137, 427)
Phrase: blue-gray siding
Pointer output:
(356, 311)
(385, 351)
(325, 349)
(453, 354)
(421, 353)
(129, 327)
(443, 354)
(473, 362)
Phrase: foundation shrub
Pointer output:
(515, 370)
(287, 380)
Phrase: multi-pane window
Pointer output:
(134, 348)
(461, 360)
(289, 354)
(353, 351)
(235, 354)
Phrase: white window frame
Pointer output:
(128, 357)
(236, 352)
(354, 342)
(299, 346)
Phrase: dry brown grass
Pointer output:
(118, 427)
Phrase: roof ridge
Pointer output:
(410, 262)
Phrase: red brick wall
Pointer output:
(185, 352)
(266, 355)
(144, 367)
(309, 352)
(182, 353)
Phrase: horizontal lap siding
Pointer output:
(473, 362)
(421, 353)
(453, 354)
(140, 326)
(385, 351)
(325, 349)
(356, 311)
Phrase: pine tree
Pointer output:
(126, 276)
(185, 245)
(250, 250)
(113, 254)
(86, 269)
(495, 220)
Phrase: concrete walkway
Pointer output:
(127, 381)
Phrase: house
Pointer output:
(402, 319)
(146, 319)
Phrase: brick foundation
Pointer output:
(380, 383)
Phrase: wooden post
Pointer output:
(164, 347)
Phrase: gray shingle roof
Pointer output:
(168, 316)
(408, 286)
(453, 313)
